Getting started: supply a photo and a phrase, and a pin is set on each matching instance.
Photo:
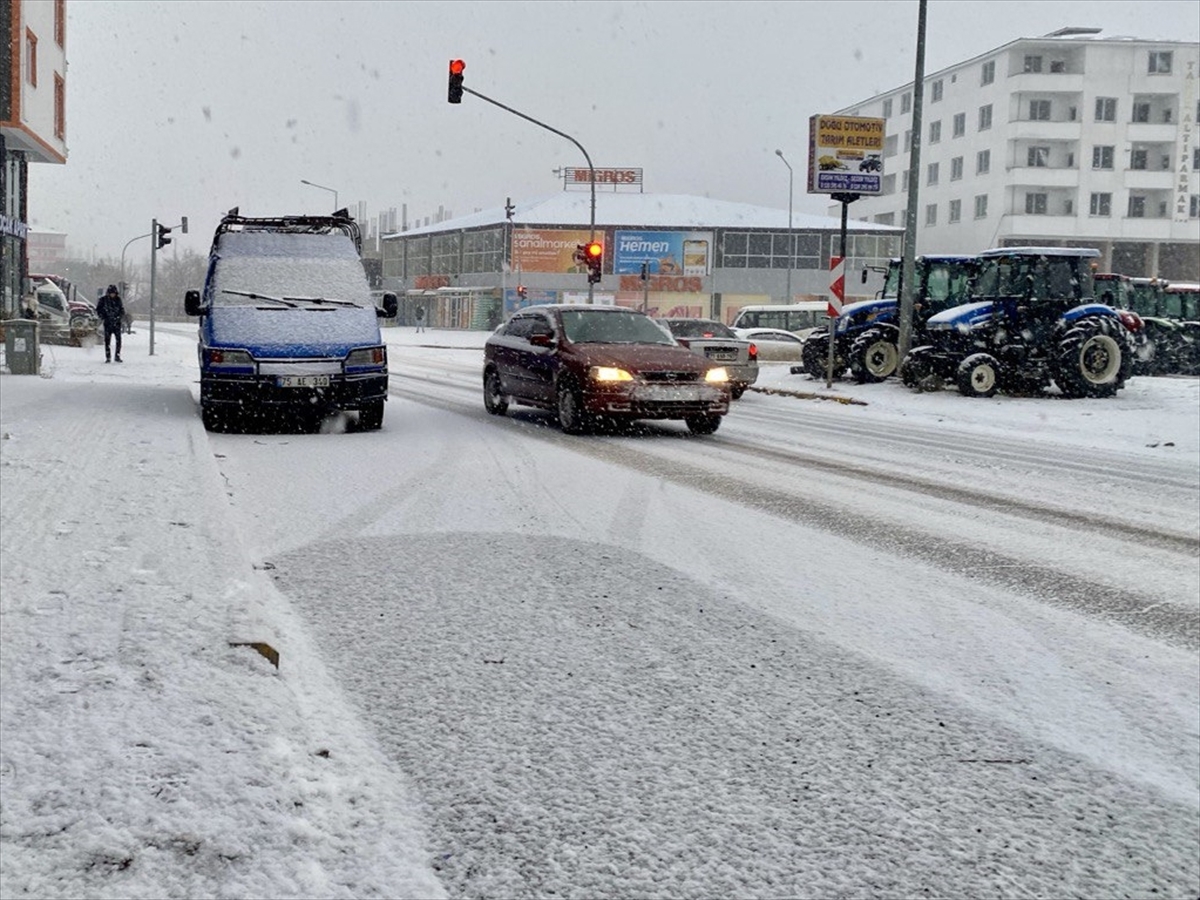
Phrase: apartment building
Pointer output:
(1072, 139)
(33, 122)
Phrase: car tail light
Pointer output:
(215, 357)
(368, 356)
(753, 352)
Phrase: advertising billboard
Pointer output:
(677, 253)
(549, 250)
(845, 155)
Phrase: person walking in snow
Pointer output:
(111, 311)
(420, 317)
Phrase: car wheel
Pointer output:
(370, 416)
(703, 424)
(571, 417)
(737, 390)
(874, 356)
(494, 400)
(815, 354)
(978, 375)
(211, 417)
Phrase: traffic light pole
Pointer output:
(153, 268)
(591, 168)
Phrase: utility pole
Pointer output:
(791, 254)
(908, 262)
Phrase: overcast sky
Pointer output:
(190, 108)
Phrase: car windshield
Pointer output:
(1057, 277)
(586, 326)
(699, 328)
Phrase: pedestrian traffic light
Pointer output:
(161, 239)
(456, 80)
(594, 256)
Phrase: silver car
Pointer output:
(719, 343)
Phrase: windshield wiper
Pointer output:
(254, 296)
(320, 300)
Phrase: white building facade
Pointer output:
(1071, 139)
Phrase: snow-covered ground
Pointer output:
(147, 752)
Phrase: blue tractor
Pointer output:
(1033, 321)
(867, 333)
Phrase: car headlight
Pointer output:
(608, 373)
(719, 375)
(367, 356)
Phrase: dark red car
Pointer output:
(592, 364)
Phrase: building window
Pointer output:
(956, 168)
(1035, 204)
(1039, 157)
(1033, 64)
(1194, 206)
(988, 72)
(1106, 109)
(1102, 157)
(960, 125)
(931, 214)
(1160, 62)
(887, 108)
(885, 219)
(932, 174)
(1039, 110)
(937, 91)
(1058, 66)
(31, 57)
(904, 181)
(60, 107)
(907, 140)
(889, 145)
(1138, 158)
(1137, 206)
(889, 184)
(1141, 112)
(935, 132)
(985, 117)
(981, 206)
(60, 22)
(905, 103)
(1100, 205)
(955, 211)
(983, 162)
(1196, 159)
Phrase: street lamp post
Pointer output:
(322, 187)
(790, 254)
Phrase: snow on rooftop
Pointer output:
(629, 210)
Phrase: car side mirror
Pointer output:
(191, 303)
(391, 306)
(542, 339)
(865, 274)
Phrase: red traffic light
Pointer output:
(455, 92)
(594, 250)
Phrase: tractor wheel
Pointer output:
(874, 355)
(916, 371)
(1093, 358)
(978, 375)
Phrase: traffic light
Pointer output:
(161, 239)
(594, 257)
(522, 291)
(456, 80)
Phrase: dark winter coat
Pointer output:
(111, 311)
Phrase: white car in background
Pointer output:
(774, 344)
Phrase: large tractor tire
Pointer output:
(815, 356)
(916, 371)
(978, 375)
(1094, 358)
(874, 355)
